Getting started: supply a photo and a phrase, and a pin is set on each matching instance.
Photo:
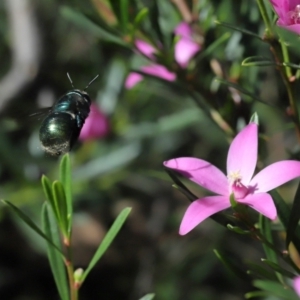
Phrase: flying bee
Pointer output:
(61, 127)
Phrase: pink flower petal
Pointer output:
(184, 50)
(145, 48)
(201, 172)
(200, 210)
(242, 154)
(262, 202)
(132, 79)
(159, 71)
(296, 285)
(183, 29)
(275, 175)
(96, 125)
(281, 7)
(295, 27)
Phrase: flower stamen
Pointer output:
(294, 15)
(238, 189)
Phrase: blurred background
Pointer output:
(153, 121)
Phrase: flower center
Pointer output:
(294, 15)
(237, 188)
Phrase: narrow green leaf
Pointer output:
(154, 19)
(148, 297)
(283, 209)
(55, 257)
(242, 90)
(275, 289)
(124, 10)
(46, 184)
(238, 230)
(231, 266)
(278, 269)
(258, 61)
(31, 224)
(260, 271)
(214, 45)
(109, 237)
(90, 26)
(256, 294)
(265, 229)
(180, 186)
(65, 178)
(61, 206)
(245, 31)
(291, 65)
(293, 222)
(142, 14)
(254, 119)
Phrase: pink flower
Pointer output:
(288, 12)
(184, 50)
(96, 125)
(186, 47)
(241, 162)
(296, 285)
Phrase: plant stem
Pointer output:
(286, 59)
(278, 55)
(281, 55)
(264, 14)
(70, 271)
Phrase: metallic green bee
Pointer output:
(61, 127)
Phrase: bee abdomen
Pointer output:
(58, 132)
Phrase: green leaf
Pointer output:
(278, 269)
(231, 266)
(142, 14)
(148, 297)
(238, 230)
(65, 178)
(230, 26)
(254, 119)
(124, 9)
(154, 16)
(109, 237)
(260, 271)
(61, 206)
(293, 222)
(242, 90)
(265, 229)
(282, 208)
(258, 61)
(291, 65)
(180, 186)
(121, 11)
(256, 294)
(90, 26)
(31, 224)
(291, 39)
(55, 257)
(275, 289)
(46, 184)
(211, 48)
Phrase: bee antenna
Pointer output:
(91, 82)
(70, 80)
